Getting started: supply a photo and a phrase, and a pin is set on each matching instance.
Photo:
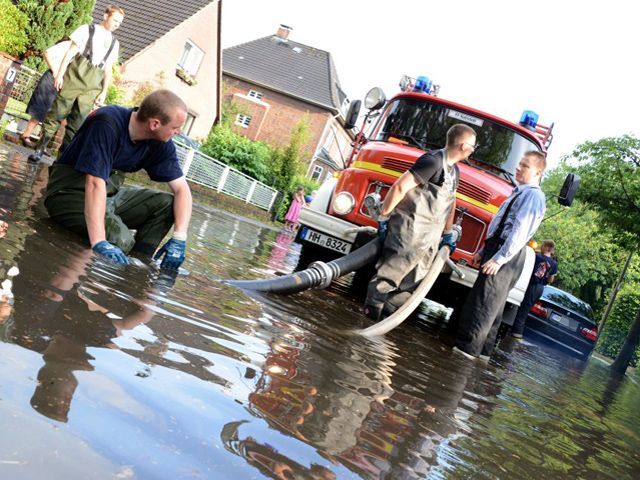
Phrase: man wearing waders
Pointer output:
(85, 192)
(416, 210)
(501, 259)
(83, 83)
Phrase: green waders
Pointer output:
(81, 85)
(149, 212)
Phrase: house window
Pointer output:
(191, 58)
(243, 120)
(188, 123)
(254, 94)
(317, 171)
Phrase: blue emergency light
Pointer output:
(423, 84)
(529, 119)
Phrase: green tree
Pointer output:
(287, 163)
(13, 23)
(610, 171)
(49, 21)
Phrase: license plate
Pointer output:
(325, 240)
(562, 320)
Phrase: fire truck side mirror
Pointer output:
(569, 189)
(352, 114)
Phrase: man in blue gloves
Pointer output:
(86, 195)
(417, 216)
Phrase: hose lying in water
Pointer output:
(412, 302)
(318, 275)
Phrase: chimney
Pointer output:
(283, 31)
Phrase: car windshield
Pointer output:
(424, 125)
(568, 301)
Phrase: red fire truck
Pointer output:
(398, 132)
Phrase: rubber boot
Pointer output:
(36, 156)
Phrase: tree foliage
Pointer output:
(610, 171)
(13, 23)
(610, 192)
(48, 22)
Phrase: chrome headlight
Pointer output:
(343, 203)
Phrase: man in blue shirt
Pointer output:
(502, 259)
(85, 192)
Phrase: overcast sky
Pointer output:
(575, 63)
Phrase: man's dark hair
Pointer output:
(457, 133)
(161, 104)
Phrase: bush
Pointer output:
(13, 24)
(617, 326)
(239, 152)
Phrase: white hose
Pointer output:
(412, 303)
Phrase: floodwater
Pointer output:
(126, 373)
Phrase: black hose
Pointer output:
(319, 274)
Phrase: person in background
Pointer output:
(45, 92)
(291, 218)
(82, 83)
(544, 273)
(85, 192)
(418, 209)
(502, 259)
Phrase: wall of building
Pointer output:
(161, 59)
(275, 115)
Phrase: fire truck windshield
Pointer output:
(424, 125)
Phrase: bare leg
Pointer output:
(25, 136)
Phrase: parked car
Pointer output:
(187, 141)
(564, 320)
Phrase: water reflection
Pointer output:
(131, 374)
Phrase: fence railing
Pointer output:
(198, 167)
(21, 90)
(209, 172)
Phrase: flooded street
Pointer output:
(111, 371)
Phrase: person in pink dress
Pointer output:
(291, 218)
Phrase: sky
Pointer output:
(575, 63)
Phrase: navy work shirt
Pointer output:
(100, 149)
(544, 268)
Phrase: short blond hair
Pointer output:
(161, 104)
(539, 158)
(457, 133)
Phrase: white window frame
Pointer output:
(317, 169)
(188, 123)
(255, 94)
(243, 120)
(191, 58)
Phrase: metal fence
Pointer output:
(25, 82)
(198, 167)
(209, 172)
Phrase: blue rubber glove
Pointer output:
(447, 239)
(383, 226)
(110, 251)
(174, 254)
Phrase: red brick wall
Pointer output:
(275, 115)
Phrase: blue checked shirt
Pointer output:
(522, 221)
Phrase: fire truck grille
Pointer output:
(466, 188)
(395, 164)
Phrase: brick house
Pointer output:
(174, 45)
(274, 82)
